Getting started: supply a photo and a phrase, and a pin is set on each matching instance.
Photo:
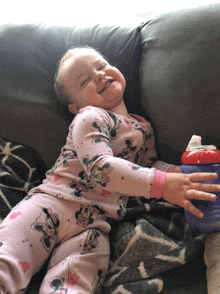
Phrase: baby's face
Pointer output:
(90, 80)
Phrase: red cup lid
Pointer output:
(201, 155)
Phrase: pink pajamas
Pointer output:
(107, 157)
(78, 263)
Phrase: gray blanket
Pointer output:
(148, 246)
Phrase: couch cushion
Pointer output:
(180, 77)
(29, 110)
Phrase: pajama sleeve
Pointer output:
(93, 147)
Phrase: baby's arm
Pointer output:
(117, 175)
(177, 169)
(92, 141)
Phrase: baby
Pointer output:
(109, 155)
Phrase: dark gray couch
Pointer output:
(172, 68)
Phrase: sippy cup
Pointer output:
(203, 158)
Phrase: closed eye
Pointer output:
(84, 82)
(103, 66)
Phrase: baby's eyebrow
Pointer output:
(98, 61)
(80, 76)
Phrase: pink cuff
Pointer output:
(158, 184)
(171, 169)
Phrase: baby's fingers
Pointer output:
(199, 177)
(192, 209)
(200, 195)
(206, 187)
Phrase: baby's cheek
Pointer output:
(91, 94)
(114, 89)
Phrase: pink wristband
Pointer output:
(158, 184)
(171, 169)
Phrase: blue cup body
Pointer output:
(211, 209)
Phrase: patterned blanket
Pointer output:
(148, 247)
(21, 168)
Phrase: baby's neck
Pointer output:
(121, 109)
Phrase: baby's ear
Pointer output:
(73, 108)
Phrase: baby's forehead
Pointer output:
(79, 56)
(80, 53)
(75, 63)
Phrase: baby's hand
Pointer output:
(180, 189)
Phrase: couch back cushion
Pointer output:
(180, 77)
(29, 110)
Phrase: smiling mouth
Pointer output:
(106, 86)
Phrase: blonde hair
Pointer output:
(59, 88)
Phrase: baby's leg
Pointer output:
(212, 260)
(78, 265)
(27, 237)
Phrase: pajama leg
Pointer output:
(27, 238)
(212, 260)
(78, 265)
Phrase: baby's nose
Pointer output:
(99, 75)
